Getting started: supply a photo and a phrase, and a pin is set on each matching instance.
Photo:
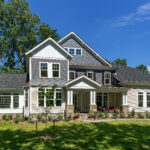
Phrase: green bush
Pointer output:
(16, 120)
(106, 115)
(122, 115)
(30, 120)
(68, 118)
(17, 116)
(59, 118)
(147, 114)
(43, 120)
(133, 113)
(129, 115)
(115, 115)
(50, 118)
(4, 117)
(10, 117)
(140, 115)
(100, 115)
(39, 117)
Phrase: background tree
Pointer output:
(142, 67)
(20, 31)
(120, 61)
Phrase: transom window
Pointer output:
(90, 75)
(56, 70)
(107, 78)
(71, 75)
(148, 99)
(44, 70)
(140, 99)
(49, 97)
(71, 51)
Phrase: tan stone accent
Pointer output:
(125, 109)
(93, 108)
(69, 109)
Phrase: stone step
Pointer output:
(83, 116)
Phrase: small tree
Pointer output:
(142, 67)
(120, 61)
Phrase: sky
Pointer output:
(113, 28)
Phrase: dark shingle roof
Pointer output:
(128, 74)
(12, 81)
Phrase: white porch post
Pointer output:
(124, 99)
(11, 101)
(69, 97)
(92, 98)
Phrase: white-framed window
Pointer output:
(26, 97)
(78, 51)
(72, 51)
(71, 75)
(55, 70)
(44, 69)
(148, 99)
(66, 49)
(102, 99)
(49, 98)
(107, 78)
(90, 75)
(15, 100)
(140, 99)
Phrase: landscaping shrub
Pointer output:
(147, 114)
(68, 118)
(16, 120)
(43, 120)
(10, 117)
(129, 114)
(117, 111)
(76, 116)
(30, 120)
(90, 115)
(59, 118)
(50, 118)
(140, 115)
(133, 113)
(17, 116)
(4, 117)
(39, 117)
(100, 115)
(106, 115)
(122, 115)
(115, 115)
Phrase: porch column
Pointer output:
(69, 106)
(93, 106)
(124, 106)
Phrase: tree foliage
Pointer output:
(120, 61)
(142, 67)
(20, 31)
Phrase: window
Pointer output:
(140, 99)
(105, 100)
(71, 75)
(26, 97)
(99, 99)
(78, 51)
(148, 99)
(49, 97)
(44, 70)
(90, 75)
(107, 78)
(41, 97)
(66, 49)
(55, 71)
(5, 100)
(15, 100)
(58, 97)
(71, 51)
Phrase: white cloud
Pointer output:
(140, 15)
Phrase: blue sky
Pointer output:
(114, 28)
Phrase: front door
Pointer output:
(85, 102)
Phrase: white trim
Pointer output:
(30, 68)
(83, 76)
(53, 41)
(72, 33)
(68, 70)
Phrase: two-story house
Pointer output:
(84, 81)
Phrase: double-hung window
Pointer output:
(44, 68)
(15, 100)
(49, 97)
(148, 99)
(58, 97)
(72, 51)
(78, 51)
(71, 75)
(41, 93)
(107, 78)
(55, 70)
(140, 99)
(90, 75)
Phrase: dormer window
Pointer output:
(72, 51)
(78, 51)
(44, 70)
(107, 78)
(90, 75)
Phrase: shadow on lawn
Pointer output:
(81, 136)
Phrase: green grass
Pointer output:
(123, 135)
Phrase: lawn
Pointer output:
(129, 135)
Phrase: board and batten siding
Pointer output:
(132, 99)
(35, 109)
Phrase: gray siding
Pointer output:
(86, 59)
(37, 81)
